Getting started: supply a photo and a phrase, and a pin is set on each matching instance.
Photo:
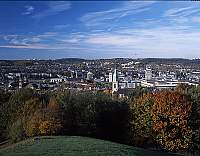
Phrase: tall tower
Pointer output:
(115, 84)
(115, 75)
(20, 82)
(148, 73)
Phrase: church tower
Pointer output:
(115, 85)
(20, 82)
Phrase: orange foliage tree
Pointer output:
(170, 115)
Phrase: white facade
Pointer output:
(110, 77)
(56, 80)
(90, 76)
(76, 74)
(148, 74)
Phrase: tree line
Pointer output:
(166, 120)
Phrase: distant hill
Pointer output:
(116, 60)
(76, 146)
(70, 60)
(143, 60)
(166, 60)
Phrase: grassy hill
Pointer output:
(76, 146)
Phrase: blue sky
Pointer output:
(61, 29)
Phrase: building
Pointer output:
(89, 76)
(56, 80)
(148, 73)
(110, 77)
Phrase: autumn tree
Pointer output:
(31, 126)
(141, 120)
(41, 123)
(50, 126)
(170, 116)
(53, 104)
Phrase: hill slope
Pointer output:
(77, 146)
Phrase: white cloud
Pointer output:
(155, 42)
(54, 7)
(115, 40)
(24, 46)
(187, 14)
(28, 39)
(28, 10)
(126, 9)
(165, 41)
(185, 11)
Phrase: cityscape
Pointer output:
(106, 75)
(99, 78)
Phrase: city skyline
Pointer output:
(91, 30)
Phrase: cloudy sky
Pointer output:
(60, 29)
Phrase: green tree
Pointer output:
(141, 120)
(16, 131)
(4, 98)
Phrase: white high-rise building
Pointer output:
(148, 73)
(110, 77)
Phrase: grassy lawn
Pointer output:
(73, 145)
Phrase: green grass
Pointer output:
(76, 146)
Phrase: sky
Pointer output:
(99, 29)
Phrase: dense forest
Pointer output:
(167, 120)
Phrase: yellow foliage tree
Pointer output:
(49, 127)
(32, 125)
